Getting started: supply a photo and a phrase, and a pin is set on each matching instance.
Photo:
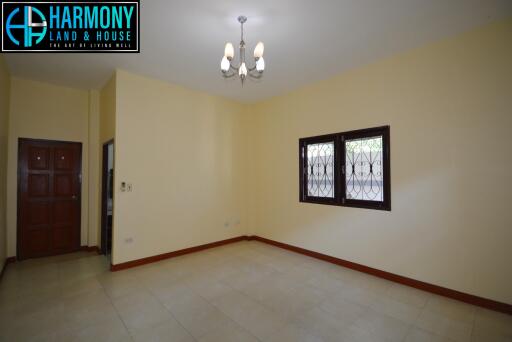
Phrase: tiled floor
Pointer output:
(246, 291)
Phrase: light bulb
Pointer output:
(243, 70)
(260, 64)
(258, 50)
(229, 51)
(224, 64)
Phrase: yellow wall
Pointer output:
(94, 171)
(108, 111)
(449, 107)
(4, 123)
(44, 111)
(184, 153)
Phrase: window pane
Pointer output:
(320, 169)
(364, 169)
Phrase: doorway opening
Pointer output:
(107, 197)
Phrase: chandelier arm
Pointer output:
(233, 67)
(258, 75)
(227, 74)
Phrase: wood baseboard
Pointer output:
(7, 261)
(143, 261)
(439, 290)
(90, 249)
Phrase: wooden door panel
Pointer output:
(38, 185)
(63, 213)
(48, 197)
(38, 213)
(63, 185)
(63, 159)
(38, 158)
(37, 241)
(62, 237)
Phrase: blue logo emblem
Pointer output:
(31, 30)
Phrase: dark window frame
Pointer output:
(303, 166)
(340, 168)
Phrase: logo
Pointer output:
(30, 30)
(91, 26)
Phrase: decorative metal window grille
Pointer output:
(320, 169)
(347, 169)
(364, 173)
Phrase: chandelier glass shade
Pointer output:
(230, 68)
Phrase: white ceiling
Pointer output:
(182, 41)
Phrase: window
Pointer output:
(347, 169)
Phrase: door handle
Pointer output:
(73, 197)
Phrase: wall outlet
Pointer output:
(226, 224)
(128, 240)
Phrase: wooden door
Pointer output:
(48, 197)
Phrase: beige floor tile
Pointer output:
(228, 332)
(108, 330)
(384, 326)
(323, 324)
(166, 331)
(451, 308)
(118, 284)
(372, 283)
(282, 264)
(155, 277)
(487, 320)
(326, 283)
(418, 335)
(206, 286)
(20, 306)
(301, 274)
(355, 333)
(174, 294)
(444, 326)
(40, 325)
(74, 317)
(252, 316)
(140, 310)
(246, 275)
(197, 315)
(24, 283)
(265, 288)
(359, 295)
(490, 335)
(283, 296)
(409, 295)
(399, 310)
(290, 304)
(344, 311)
(79, 286)
(93, 298)
(216, 272)
(293, 333)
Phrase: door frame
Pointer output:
(104, 196)
(18, 191)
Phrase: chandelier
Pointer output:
(229, 69)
